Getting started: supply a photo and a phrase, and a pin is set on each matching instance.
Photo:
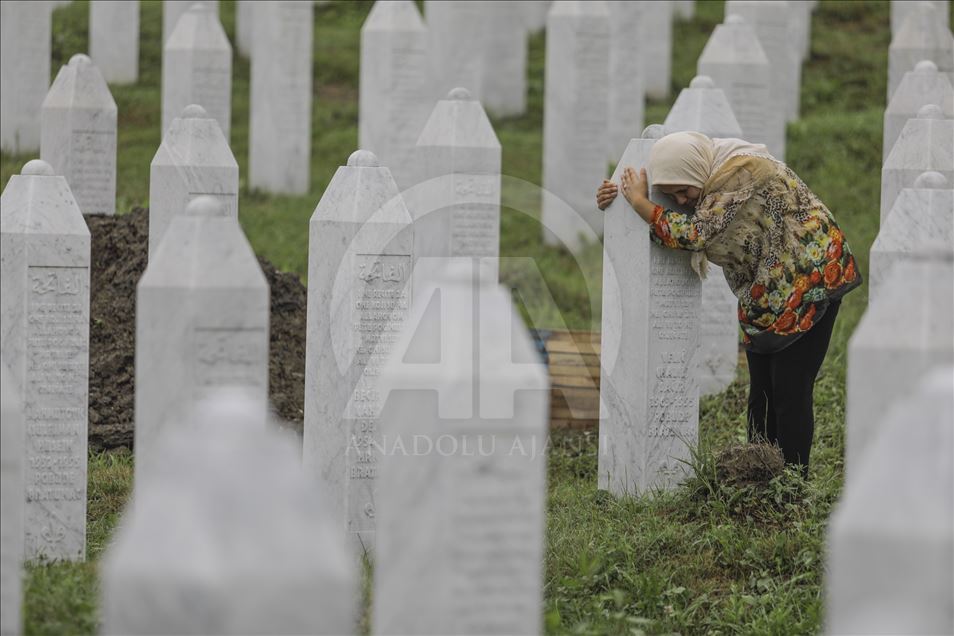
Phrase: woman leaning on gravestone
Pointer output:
(783, 255)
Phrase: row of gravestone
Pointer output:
(891, 536)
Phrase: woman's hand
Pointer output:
(606, 194)
(635, 187)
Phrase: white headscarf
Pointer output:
(691, 158)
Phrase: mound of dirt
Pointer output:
(119, 254)
(749, 464)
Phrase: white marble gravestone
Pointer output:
(627, 94)
(79, 134)
(456, 31)
(922, 36)
(649, 395)
(114, 39)
(535, 14)
(244, 26)
(772, 21)
(921, 215)
(900, 337)
(25, 44)
(228, 535)
(921, 86)
(800, 27)
(360, 260)
(891, 536)
(44, 275)
(194, 159)
(394, 92)
(280, 110)
(197, 67)
(466, 397)
(504, 66)
(925, 144)
(202, 315)
(456, 208)
(574, 119)
(12, 452)
(736, 62)
(704, 108)
(657, 63)
(172, 10)
(900, 9)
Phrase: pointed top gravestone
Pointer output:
(197, 67)
(12, 451)
(114, 39)
(228, 535)
(926, 143)
(923, 36)
(173, 10)
(704, 108)
(25, 44)
(900, 9)
(921, 86)
(891, 536)
(194, 159)
(79, 134)
(921, 214)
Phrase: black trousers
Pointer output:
(780, 391)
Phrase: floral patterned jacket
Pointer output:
(779, 247)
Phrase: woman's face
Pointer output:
(683, 194)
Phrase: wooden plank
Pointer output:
(569, 346)
(575, 335)
(574, 424)
(576, 381)
(564, 413)
(590, 361)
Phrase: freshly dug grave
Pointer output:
(119, 253)
(749, 464)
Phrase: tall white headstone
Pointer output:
(360, 261)
(44, 275)
(921, 86)
(735, 61)
(201, 321)
(925, 144)
(921, 215)
(194, 159)
(394, 92)
(900, 337)
(535, 14)
(197, 67)
(228, 536)
(504, 72)
(657, 31)
(172, 10)
(25, 44)
(627, 95)
(114, 39)
(923, 36)
(460, 541)
(244, 26)
(280, 111)
(456, 30)
(901, 9)
(12, 452)
(79, 134)
(891, 537)
(574, 119)
(457, 208)
(649, 396)
(800, 28)
(704, 108)
(772, 20)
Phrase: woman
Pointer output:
(782, 253)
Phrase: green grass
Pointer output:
(705, 558)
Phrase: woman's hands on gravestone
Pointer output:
(606, 194)
(635, 188)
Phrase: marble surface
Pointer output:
(901, 9)
(456, 30)
(78, 138)
(921, 85)
(898, 340)
(228, 535)
(25, 47)
(736, 62)
(684, 9)
(921, 217)
(461, 513)
(197, 67)
(456, 208)
(172, 10)
(244, 26)
(114, 39)
(202, 316)
(891, 536)
(535, 14)
(12, 452)
(657, 31)
(194, 159)
(649, 393)
(627, 93)
(923, 36)
(504, 59)
(926, 143)
(576, 98)
(703, 107)
(44, 304)
(279, 140)
(394, 96)
(360, 260)
(800, 28)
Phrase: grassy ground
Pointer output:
(705, 558)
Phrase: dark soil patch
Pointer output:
(749, 464)
(119, 252)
